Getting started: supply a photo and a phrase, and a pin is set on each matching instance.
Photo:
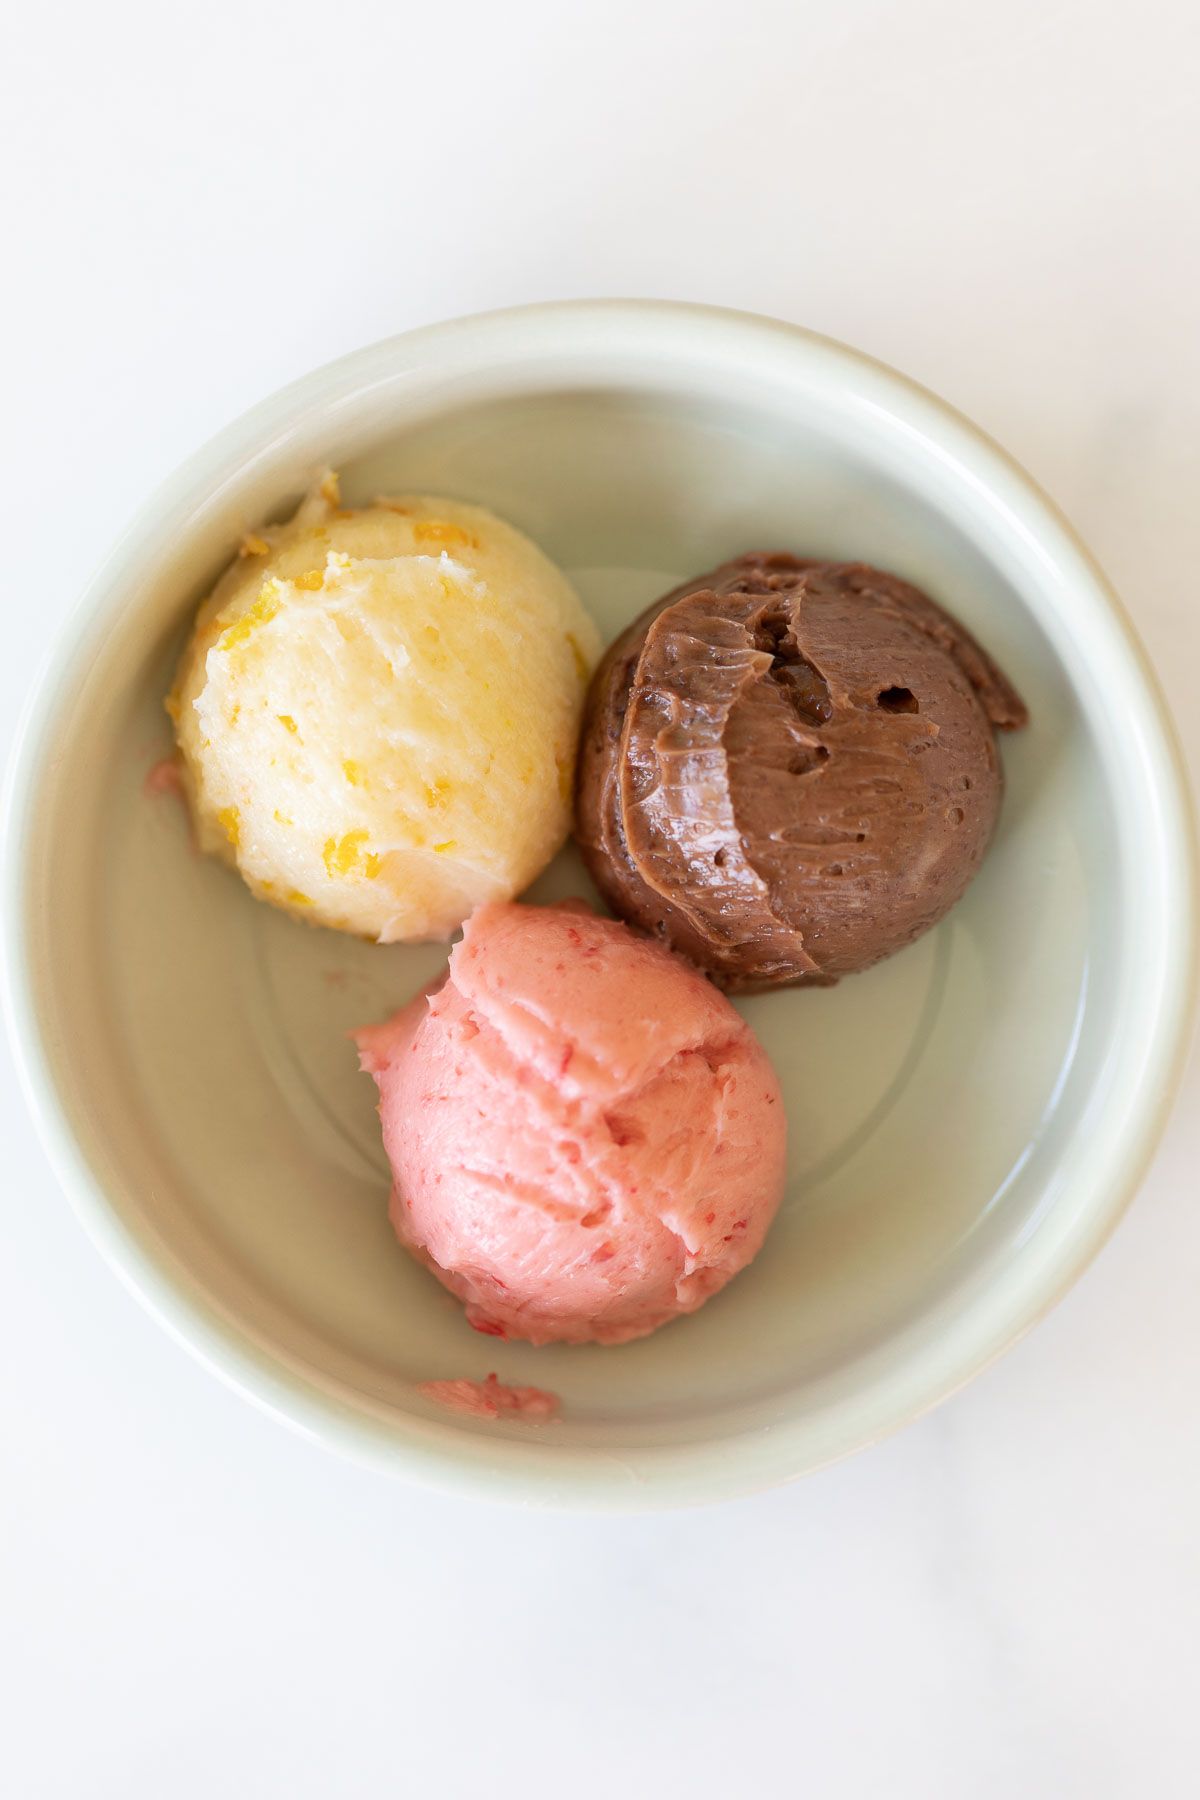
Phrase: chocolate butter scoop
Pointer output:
(789, 769)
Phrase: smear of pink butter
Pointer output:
(492, 1399)
(164, 778)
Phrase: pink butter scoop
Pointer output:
(586, 1138)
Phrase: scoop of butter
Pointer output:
(378, 712)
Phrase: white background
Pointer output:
(202, 201)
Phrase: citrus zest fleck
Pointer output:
(343, 855)
(261, 613)
(441, 531)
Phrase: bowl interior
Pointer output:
(198, 1038)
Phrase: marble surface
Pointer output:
(204, 202)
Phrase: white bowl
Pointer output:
(967, 1121)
